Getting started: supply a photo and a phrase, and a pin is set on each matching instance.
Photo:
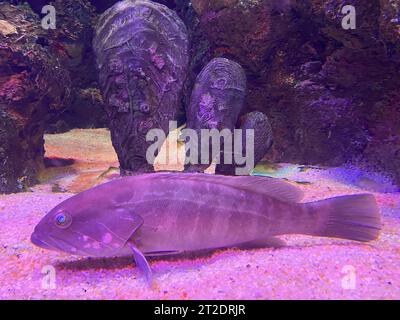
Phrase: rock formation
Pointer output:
(331, 94)
(216, 103)
(33, 84)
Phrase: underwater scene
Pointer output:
(200, 150)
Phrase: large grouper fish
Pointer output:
(170, 213)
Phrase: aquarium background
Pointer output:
(331, 95)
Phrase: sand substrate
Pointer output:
(307, 268)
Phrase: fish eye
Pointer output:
(63, 220)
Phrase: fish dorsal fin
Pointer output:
(273, 187)
(276, 188)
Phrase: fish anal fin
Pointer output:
(270, 242)
(142, 264)
(162, 253)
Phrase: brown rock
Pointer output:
(32, 84)
(73, 38)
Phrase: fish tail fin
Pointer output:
(355, 217)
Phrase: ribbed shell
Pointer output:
(218, 96)
(142, 55)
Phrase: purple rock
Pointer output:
(263, 139)
(217, 100)
(142, 54)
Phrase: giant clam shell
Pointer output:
(142, 55)
(217, 100)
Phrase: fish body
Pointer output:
(190, 215)
(167, 213)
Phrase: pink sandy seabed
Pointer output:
(308, 268)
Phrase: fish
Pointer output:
(171, 213)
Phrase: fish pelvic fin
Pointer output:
(142, 263)
(354, 217)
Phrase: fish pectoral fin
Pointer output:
(270, 242)
(142, 263)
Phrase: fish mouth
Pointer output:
(52, 243)
(42, 243)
